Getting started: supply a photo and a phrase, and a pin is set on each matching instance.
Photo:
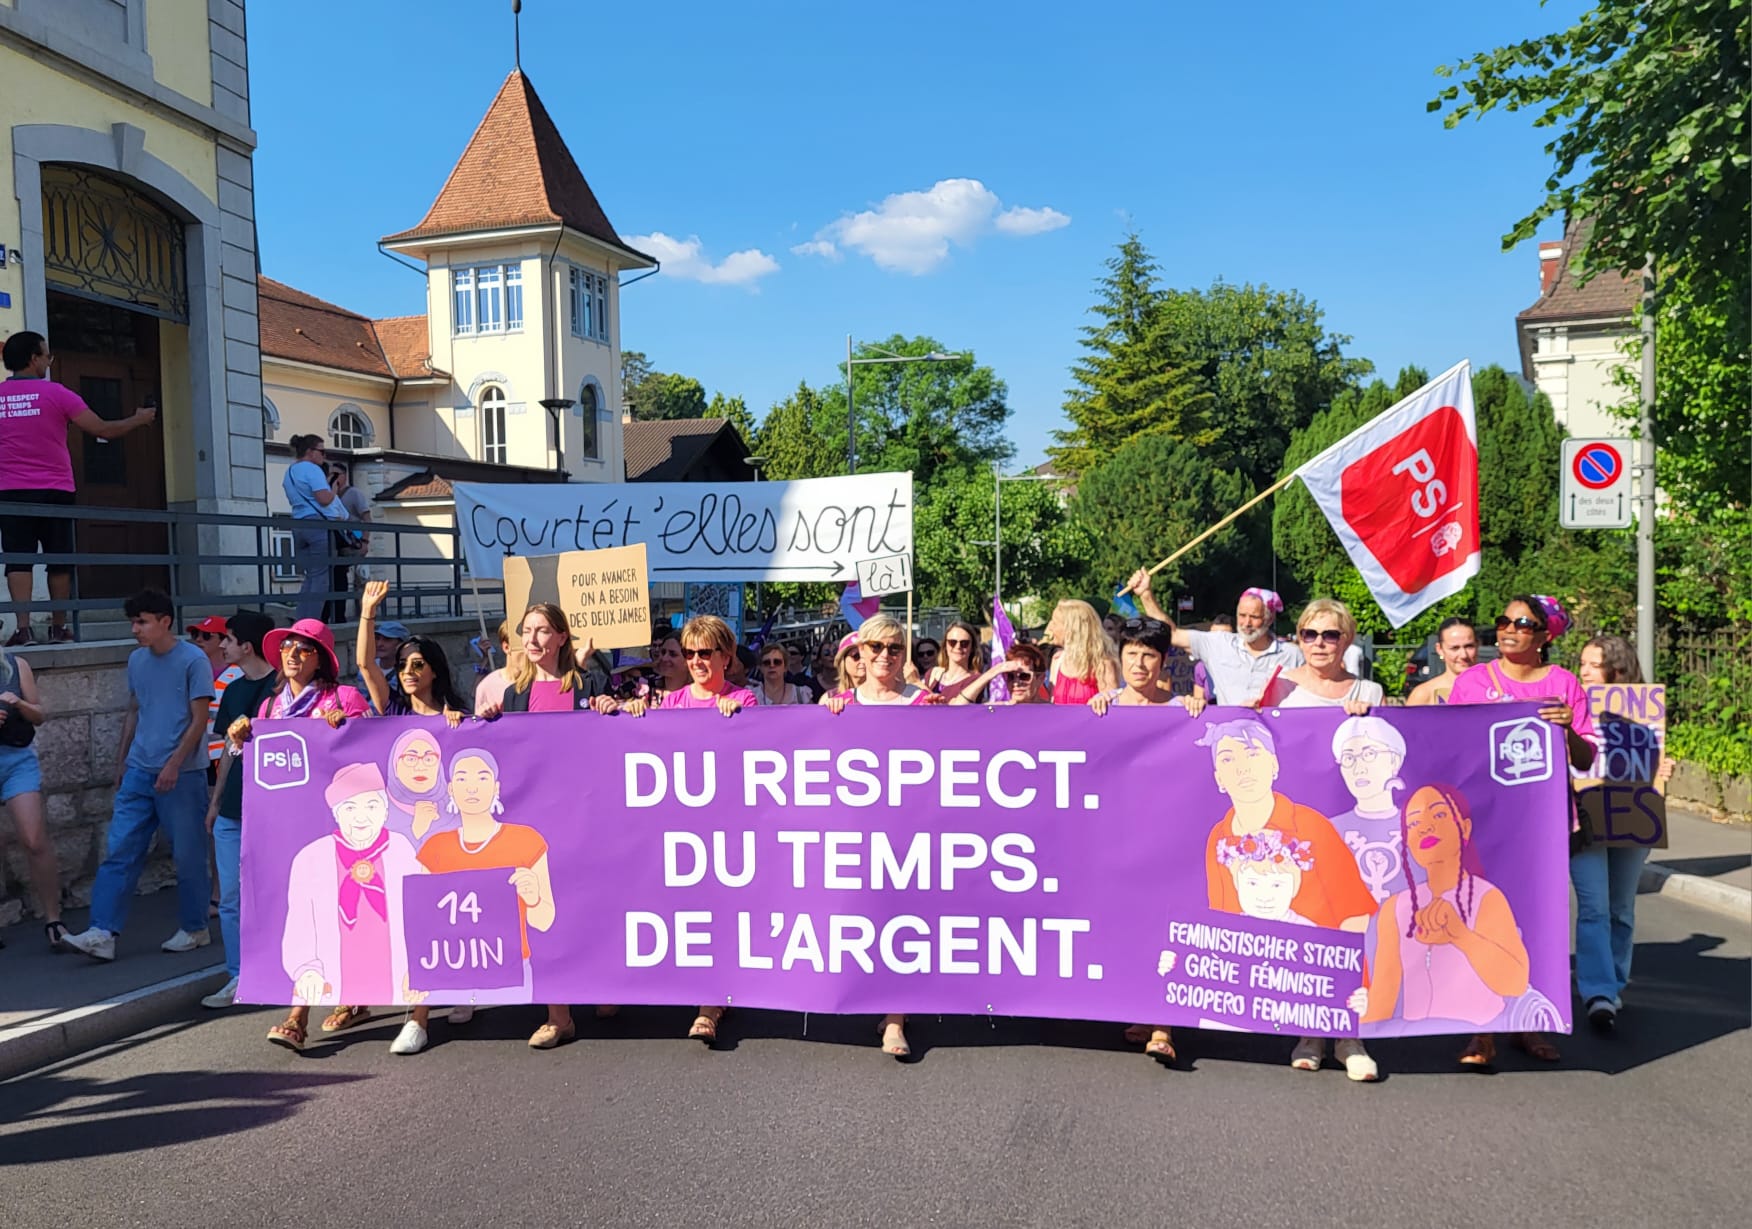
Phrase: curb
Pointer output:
(67, 1033)
(1710, 894)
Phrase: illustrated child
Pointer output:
(1267, 869)
(343, 941)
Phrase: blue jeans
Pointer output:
(139, 811)
(227, 852)
(311, 548)
(1605, 879)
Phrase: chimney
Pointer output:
(1550, 261)
(626, 417)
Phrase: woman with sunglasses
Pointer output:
(1023, 668)
(1087, 664)
(846, 673)
(1522, 671)
(427, 688)
(958, 672)
(882, 646)
(308, 686)
(1324, 632)
(774, 687)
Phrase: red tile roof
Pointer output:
(426, 485)
(407, 344)
(1609, 295)
(515, 171)
(307, 329)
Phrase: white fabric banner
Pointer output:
(1401, 493)
(808, 529)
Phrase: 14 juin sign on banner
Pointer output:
(808, 529)
(1302, 871)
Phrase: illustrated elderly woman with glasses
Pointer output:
(882, 647)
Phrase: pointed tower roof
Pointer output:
(516, 171)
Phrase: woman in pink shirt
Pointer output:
(1525, 630)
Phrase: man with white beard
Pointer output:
(1239, 663)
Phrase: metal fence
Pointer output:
(194, 556)
(1706, 673)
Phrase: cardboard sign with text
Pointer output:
(1625, 803)
(606, 594)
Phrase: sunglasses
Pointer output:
(958, 644)
(203, 636)
(296, 648)
(414, 665)
(1525, 623)
(1327, 635)
(1021, 676)
(690, 654)
(879, 647)
(774, 661)
(1152, 626)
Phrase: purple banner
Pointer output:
(1237, 870)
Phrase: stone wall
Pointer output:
(84, 690)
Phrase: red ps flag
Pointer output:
(1401, 492)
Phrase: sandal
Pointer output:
(894, 1040)
(705, 1025)
(1534, 1045)
(1480, 1052)
(344, 1018)
(56, 933)
(288, 1033)
(548, 1036)
(1161, 1046)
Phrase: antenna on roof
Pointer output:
(517, 33)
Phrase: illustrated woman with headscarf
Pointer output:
(1449, 951)
(343, 941)
(417, 789)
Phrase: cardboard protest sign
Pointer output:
(1625, 803)
(606, 594)
(889, 574)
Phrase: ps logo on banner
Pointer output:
(1520, 751)
(282, 761)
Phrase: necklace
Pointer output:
(483, 844)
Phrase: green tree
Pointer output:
(635, 369)
(796, 438)
(1266, 357)
(665, 395)
(735, 409)
(1044, 550)
(1155, 494)
(1123, 388)
(925, 417)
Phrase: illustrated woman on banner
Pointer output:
(1449, 951)
(482, 842)
(1370, 753)
(1245, 763)
(343, 941)
(418, 795)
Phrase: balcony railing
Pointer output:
(430, 582)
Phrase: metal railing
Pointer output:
(422, 586)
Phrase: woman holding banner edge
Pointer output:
(882, 648)
(1523, 672)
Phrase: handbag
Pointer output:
(16, 730)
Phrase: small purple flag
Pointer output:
(1003, 636)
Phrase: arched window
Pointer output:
(348, 428)
(270, 419)
(494, 445)
(589, 435)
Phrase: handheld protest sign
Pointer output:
(605, 594)
(1626, 803)
(889, 574)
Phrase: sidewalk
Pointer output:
(1705, 863)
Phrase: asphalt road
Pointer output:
(802, 1122)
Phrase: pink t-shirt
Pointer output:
(1486, 683)
(683, 697)
(491, 690)
(34, 416)
(545, 696)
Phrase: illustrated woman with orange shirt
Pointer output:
(483, 842)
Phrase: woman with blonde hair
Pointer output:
(848, 670)
(548, 678)
(1087, 664)
(882, 645)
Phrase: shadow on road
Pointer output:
(1706, 867)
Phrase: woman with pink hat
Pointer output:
(848, 670)
(1522, 671)
(309, 686)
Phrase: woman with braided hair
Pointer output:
(1449, 946)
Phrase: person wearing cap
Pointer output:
(390, 635)
(1239, 664)
(160, 781)
(1523, 672)
(846, 672)
(344, 939)
(254, 683)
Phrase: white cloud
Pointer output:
(1024, 221)
(911, 232)
(685, 258)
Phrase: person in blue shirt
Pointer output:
(314, 502)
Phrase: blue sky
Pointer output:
(969, 166)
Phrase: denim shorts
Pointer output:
(19, 772)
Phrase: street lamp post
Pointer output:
(889, 356)
(756, 463)
(998, 480)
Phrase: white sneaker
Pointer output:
(1357, 1063)
(461, 1015)
(1308, 1053)
(96, 942)
(411, 1039)
(186, 941)
(223, 997)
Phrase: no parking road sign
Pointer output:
(1595, 485)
